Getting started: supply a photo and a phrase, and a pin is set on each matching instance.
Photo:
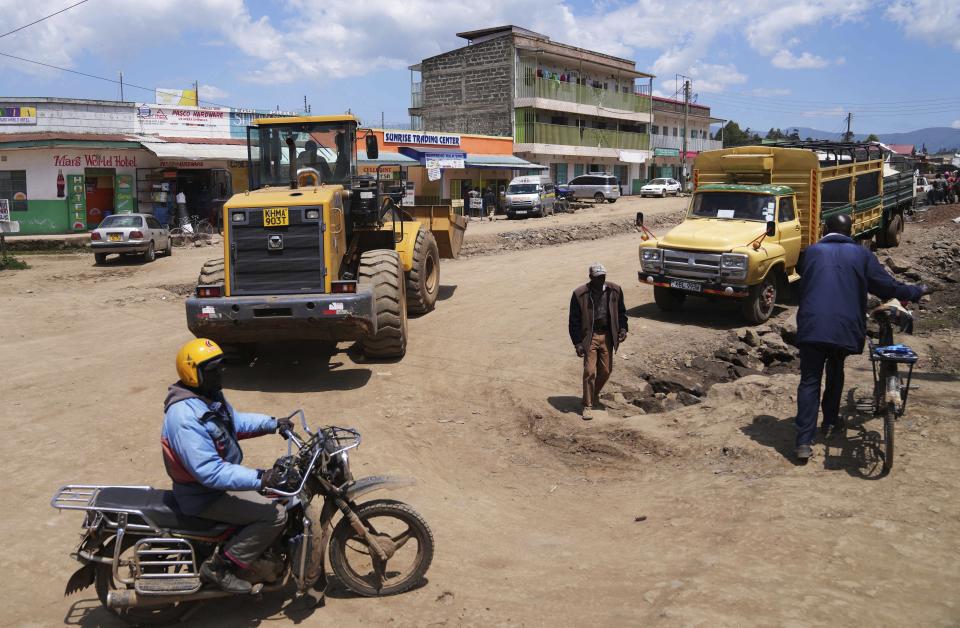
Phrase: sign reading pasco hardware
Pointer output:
(420, 139)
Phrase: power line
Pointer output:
(46, 17)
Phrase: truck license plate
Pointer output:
(276, 217)
(689, 286)
(521, 212)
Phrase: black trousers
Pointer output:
(814, 358)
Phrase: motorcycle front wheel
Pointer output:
(147, 616)
(404, 536)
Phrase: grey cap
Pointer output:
(597, 269)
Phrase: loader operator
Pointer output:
(202, 456)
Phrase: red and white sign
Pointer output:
(94, 160)
(183, 121)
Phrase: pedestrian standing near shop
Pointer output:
(182, 216)
(597, 326)
(836, 274)
(489, 203)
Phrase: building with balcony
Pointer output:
(667, 136)
(569, 109)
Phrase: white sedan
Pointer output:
(130, 234)
(661, 187)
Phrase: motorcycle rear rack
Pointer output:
(83, 496)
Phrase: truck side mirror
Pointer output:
(373, 149)
(771, 228)
(639, 219)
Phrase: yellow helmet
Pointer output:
(193, 354)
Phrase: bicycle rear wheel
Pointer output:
(889, 416)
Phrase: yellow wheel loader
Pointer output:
(315, 252)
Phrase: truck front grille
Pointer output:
(692, 265)
(276, 260)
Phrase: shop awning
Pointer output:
(503, 162)
(197, 152)
(385, 157)
(423, 154)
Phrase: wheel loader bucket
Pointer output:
(447, 227)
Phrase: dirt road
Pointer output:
(538, 516)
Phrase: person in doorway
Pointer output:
(836, 274)
(182, 216)
(202, 455)
(597, 326)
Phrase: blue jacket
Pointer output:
(201, 451)
(836, 275)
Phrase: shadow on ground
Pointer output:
(306, 367)
(713, 314)
(567, 404)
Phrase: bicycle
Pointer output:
(889, 390)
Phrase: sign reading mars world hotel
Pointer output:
(412, 138)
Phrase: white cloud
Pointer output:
(955, 124)
(936, 22)
(770, 92)
(786, 60)
(212, 92)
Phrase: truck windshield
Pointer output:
(328, 148)
(527, 188)
(733, 205)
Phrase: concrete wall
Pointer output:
(74, 117)
(469, 90)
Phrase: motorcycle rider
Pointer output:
(202, 455)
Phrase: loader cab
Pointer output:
(322, 146)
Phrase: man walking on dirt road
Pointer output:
(837, 272)
(598, 324)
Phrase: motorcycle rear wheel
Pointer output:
(355, 565)
(150, 616)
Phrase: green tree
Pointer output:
(775, 134)
(872, 138)
(733, 135)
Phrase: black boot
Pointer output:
(219, 572)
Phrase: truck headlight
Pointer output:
(733, 265)
(651, 260)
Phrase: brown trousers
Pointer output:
(597, 365)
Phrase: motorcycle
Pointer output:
(143, 555)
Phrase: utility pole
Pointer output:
(683, 144)
(121, 86)
(848, 136)
(196, 92)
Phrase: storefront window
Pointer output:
(13, 186)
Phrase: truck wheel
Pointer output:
(381, 272)
(211, 273)
(668, 299)
(758, 306)
(423, 280)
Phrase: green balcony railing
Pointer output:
(532, 87)
(540, 133)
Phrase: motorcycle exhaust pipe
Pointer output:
(121, 599)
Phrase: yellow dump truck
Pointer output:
(753, 211)
(315, 252)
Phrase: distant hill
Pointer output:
(937, 138)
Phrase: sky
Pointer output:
(764, 63)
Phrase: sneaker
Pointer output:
(587, 414)
(804, 452)
(219, 572)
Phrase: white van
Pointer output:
(530, 196)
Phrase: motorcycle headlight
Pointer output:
(733, 265)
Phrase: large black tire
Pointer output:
(890, 237)
(211, 273)
(381, 272)
(423, 280)
(344, 532)
(669, 299)
(759, 303)
(149, 616)
(889, 417)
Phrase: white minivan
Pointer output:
(530, 196)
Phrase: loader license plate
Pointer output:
(689, 286)
(276, 217)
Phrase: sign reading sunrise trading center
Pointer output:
(412, 138)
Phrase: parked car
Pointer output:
(130, 234)
(924, 187)
(530, 196)
(661, 188)
(596, 185)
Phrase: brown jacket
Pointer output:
(581, 314)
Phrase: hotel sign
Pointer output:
(18, 115)
(412, 138)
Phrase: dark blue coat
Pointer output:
(836, 275)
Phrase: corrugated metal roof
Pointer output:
(182, 150)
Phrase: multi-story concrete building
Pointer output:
(569, 109)
(666, 135)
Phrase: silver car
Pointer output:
(597, 185)
(125, 234)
